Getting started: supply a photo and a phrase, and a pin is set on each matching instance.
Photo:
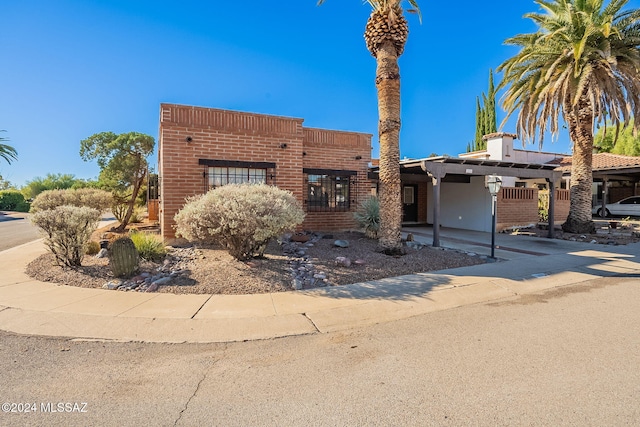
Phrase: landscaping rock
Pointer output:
(300, 238)
(343, 261)
(341, 244)
(102, 253)
(152, 287)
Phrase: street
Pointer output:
(566, 356)
(16, 229)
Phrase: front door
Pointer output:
(409, 203)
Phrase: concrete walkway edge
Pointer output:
(36, 308)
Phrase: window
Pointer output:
(328, 190)
(221, 172)
(225, 175)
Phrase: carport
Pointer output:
(437, 168)
(608, 168)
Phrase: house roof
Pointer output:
(601, 162)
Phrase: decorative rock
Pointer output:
(152, 287)
(320, 276)
(161, 281)
(115, 284)
(343, 261)
(409, 237)
(297, 284)
(415, 245)
(301, 238)
(359, 262)
(341, 244)
(102, 253)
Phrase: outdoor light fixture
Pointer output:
(493, 184)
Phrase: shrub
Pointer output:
(68, 230)
(93, 248)
(136, 216)
(88, 197)
(368, 217)
(242, 217)
(13, 200)
(149, 246)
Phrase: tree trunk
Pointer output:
(134, 195)
(388, 85)
(580, 121)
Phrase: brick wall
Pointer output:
(325, 149)
(516, 206)
(561, 206)
(618, 193)
(188, 134)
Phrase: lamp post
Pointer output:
(493, 184)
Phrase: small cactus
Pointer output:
(123, 257)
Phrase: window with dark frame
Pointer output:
(221, 172)
(329, 191)
(219, 176)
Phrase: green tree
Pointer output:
(580, 65)
(486, 121)
(385, 36)
(610, 139)
(53, 181)
(5, 184)
(123, 164)
(7, 152)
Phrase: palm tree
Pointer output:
(582, 64)
(7, 152)
(385, 35)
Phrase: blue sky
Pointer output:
(72, 68)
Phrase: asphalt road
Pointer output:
(16, 229)
(569, 356)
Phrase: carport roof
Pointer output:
(476, 167)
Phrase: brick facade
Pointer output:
(191, 136)
(518, 206)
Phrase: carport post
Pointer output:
(436, 210)
(552, 209)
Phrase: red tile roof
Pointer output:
(601, 161)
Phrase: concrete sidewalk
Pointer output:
(32, 307)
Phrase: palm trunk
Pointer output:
(580, 121)
(388, 85)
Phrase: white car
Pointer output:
(625, 207)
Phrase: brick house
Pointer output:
(202, 148)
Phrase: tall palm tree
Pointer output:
(582, 65)
(385, 35)
(7, 152)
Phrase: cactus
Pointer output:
(123, 257)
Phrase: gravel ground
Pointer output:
(210, 270)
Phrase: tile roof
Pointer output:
(601, 161)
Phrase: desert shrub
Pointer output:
(13, 200)
(137, 215)
(68, 230)
(242, 217)
(149, 246)
(368, 217)
(93, 248)
(87, 197)
(119, 210)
